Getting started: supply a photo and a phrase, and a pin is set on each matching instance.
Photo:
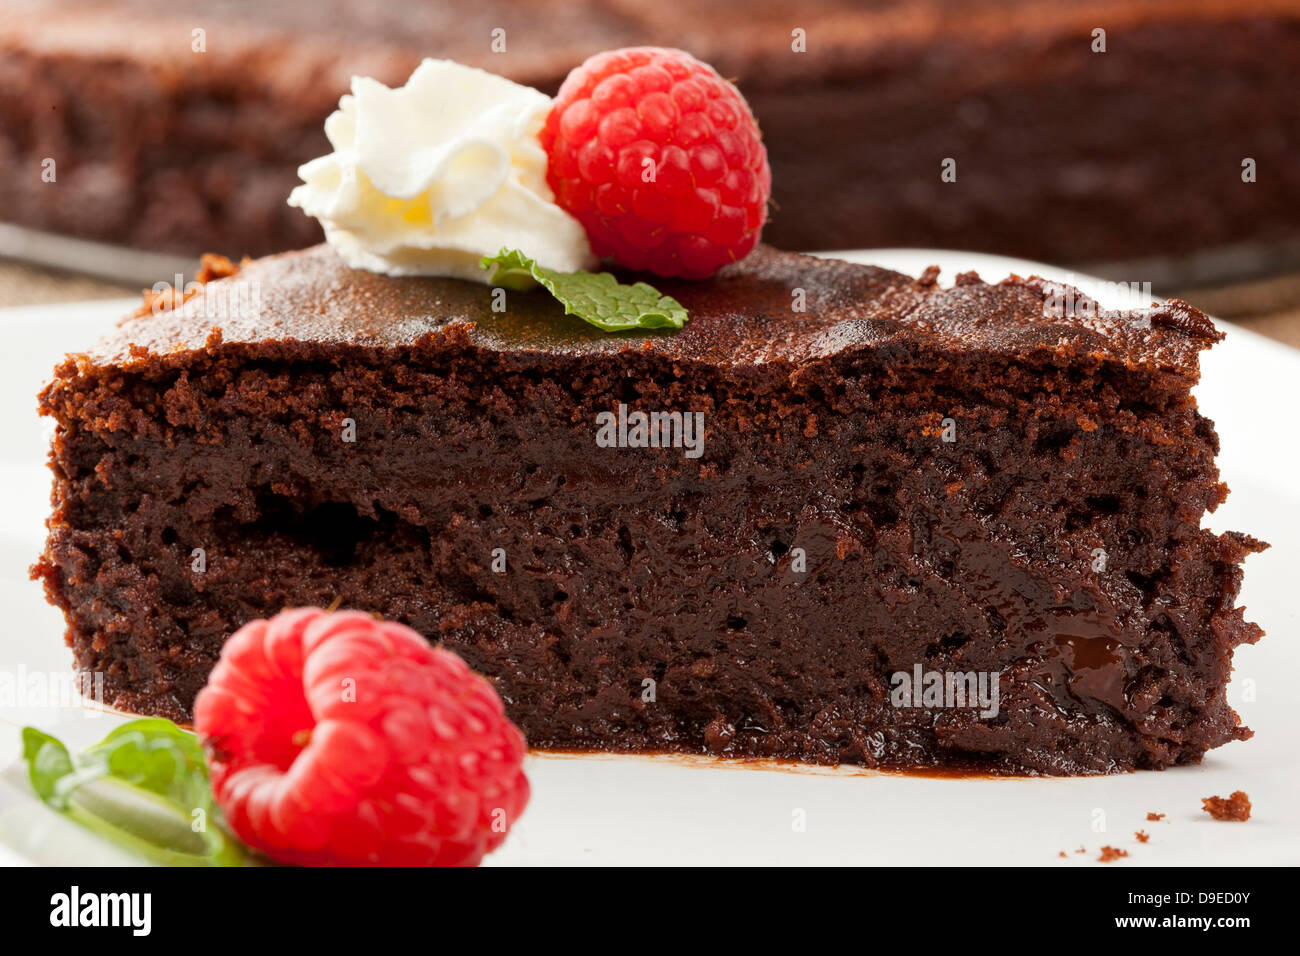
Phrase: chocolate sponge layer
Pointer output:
(901, 476)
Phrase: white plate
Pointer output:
(652, 810)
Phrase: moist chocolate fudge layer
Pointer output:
(767, 591)
(1062, 153)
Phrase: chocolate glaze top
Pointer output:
(743, 316)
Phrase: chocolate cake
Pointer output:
(1062, 152)
(871, 478)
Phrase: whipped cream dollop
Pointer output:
(427, 178)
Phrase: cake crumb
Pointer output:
(1234, 807)
(1156, 817)
(1081, 850)
(1142, 836)
(164, 297)
(1061, 854)
(1110, 853)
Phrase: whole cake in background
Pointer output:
(177, 125)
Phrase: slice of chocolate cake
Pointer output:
(844, 515)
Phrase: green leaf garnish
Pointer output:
(145, 787)
(595, 297)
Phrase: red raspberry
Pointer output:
(707, 200)
(340, 739)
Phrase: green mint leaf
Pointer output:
(145, 787)
(595, 297)
(48, 762)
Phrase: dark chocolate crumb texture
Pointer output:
(843, 516)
